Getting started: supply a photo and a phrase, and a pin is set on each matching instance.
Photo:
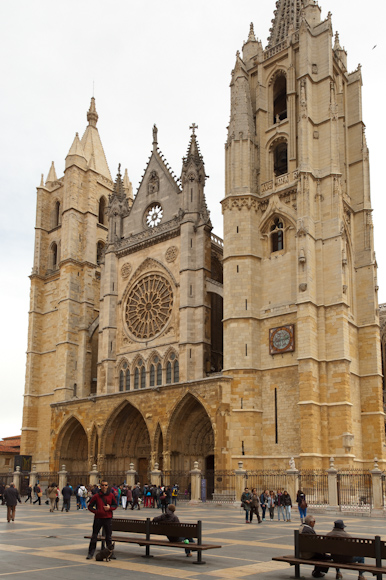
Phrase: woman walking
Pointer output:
(246, 501)
(255, 506)
(38, 494)
(287, 503)
(302, 505)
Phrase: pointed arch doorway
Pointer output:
(191, 438)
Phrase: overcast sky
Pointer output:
(167, 63)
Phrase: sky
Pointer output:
(149, 62)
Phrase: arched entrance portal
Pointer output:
(126, 440)
(190, 439)
(73, 447)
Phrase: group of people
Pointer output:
(252, 501)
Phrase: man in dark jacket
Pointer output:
(66, 493)
(308, 528)
(339, 531)
(169, 517)
(11, 496)
(102, 505)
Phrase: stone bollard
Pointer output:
(17, 478)
(130, 476)
(62, 477)
(240, 483)
(332, 486)
(94, 475)
(195, 483)
(33, 477)
(156, 475)
(376, 481)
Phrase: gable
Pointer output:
(157, 201)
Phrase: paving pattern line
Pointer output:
(41, 569)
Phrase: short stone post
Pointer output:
(17, 478)
(376, 481)
(240, 484)
(292, 481)
(94, 475)
(62, 477)
(195, 483)
(156, 475)
(332, 486)
(33, 477)
(130, 476)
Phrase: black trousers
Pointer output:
(106, 524)
(321, 557)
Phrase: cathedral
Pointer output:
(154, 342)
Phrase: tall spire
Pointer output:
(127, 186)
(287, 15)
(51, 174)
(193, 152)
(241, 124)
(92, 115)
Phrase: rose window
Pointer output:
(154, 215)
(149, 306)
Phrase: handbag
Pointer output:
(303, 504)
(40, 493)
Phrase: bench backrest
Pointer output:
(366, 547)
(157, 528)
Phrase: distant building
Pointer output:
(9, 448)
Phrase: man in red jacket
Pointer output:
(102, 505)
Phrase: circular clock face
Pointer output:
(281, 339)
(154, 215)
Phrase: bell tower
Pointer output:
(301, 327)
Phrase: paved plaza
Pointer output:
(41, 545)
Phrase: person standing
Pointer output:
(287, 504)
(302, 505)
(279, 505)
(11, 496)
(82, 494)
(271, 505)
(246, 503)
(263, 502)
(136, 493)
(52, 492)
(102, 506)
(175, 494)
(66, 494)
(255, 505)
(124, 496)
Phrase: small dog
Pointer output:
(105, 554)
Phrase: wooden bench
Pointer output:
(148, 528)
(319, 544)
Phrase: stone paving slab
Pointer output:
(41, 545)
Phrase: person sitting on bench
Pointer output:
(339, 531)
(169, 517)
(308, 528)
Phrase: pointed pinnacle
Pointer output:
(92, 115)
(251, 37)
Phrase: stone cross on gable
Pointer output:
(193, 128)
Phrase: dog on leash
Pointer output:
(105, 554)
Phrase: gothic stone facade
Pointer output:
(150, 341)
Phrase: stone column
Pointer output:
(62, 477)
(130, 476)
(332, 486)
(94, 475)
(292, 481)
(17, 478)
(376, 481)
(240, 482)
(156, 475)
(195, 483)
(33, 477)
